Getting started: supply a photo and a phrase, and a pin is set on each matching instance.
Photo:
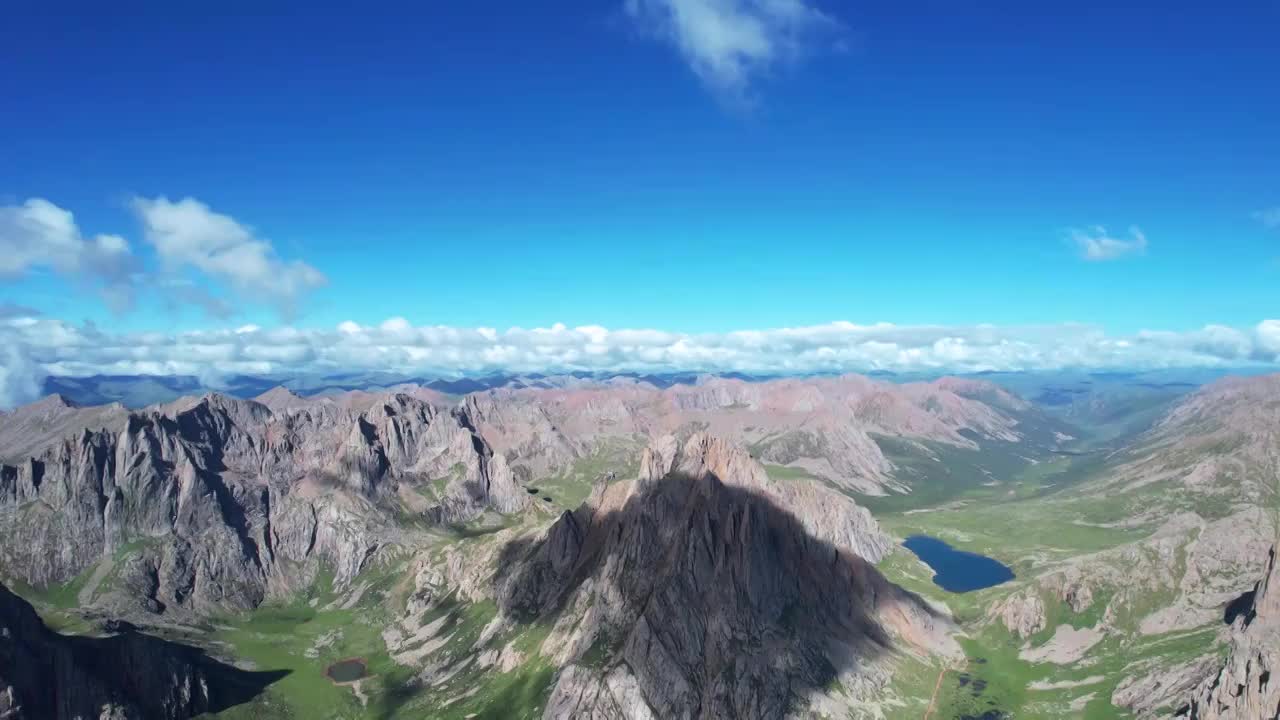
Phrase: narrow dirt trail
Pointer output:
(934, 698)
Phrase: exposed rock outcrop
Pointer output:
(694, 591)
(827, 515)
(1153, 687)
(1199, 565)
(1022, 613)
(1244, 688)
(219, 502)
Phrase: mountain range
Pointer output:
(642, 546)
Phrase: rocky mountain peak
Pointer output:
(56, 401)
(1246, 687)
(700, 455)
(706, 596)
(281, 398)
(825, 513)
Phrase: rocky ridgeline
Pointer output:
(1245, 688)
(825, 426)
(227, 501)
(697, 590)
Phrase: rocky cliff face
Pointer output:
(46, 676)
(697, 591)
(215, 502)
(825, 514)
(1244, 689)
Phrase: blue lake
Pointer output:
(956, 570)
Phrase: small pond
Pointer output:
(345, 671)
(956, 570)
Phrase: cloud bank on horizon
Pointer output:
(35, 347)
(190, 250)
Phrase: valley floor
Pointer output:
(1073, 665)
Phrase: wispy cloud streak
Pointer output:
(730, 44)
(1096, 244)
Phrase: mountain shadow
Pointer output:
(48, 676)
(698, 598)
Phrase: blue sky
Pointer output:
(696, 166)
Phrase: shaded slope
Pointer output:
(683, 594)
(47, 676)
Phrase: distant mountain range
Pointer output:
(142, 390)
(1046, 388)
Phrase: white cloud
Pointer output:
(20, 377)
(50, 346)
(39, 235)
(187, 233)
(729, 43)
(1266, 341)
(395, 325)
(1269, 217)
(1097, 244)
(196, 246)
